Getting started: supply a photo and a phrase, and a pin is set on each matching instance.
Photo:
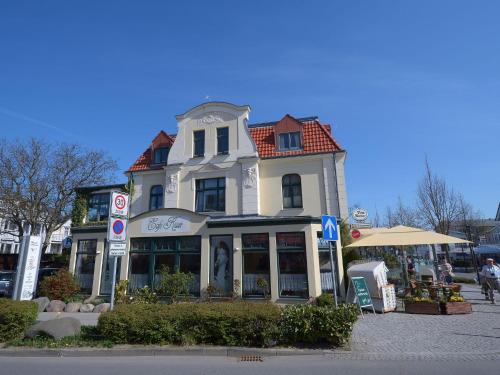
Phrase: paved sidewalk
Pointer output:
(87, 319)
(432, 335)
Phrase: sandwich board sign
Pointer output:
(362, 293)
(329, 226)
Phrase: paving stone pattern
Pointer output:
(415, 336)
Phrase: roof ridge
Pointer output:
(272, 123)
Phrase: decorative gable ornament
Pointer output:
(172, 183)
(249, 177)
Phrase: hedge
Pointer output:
(15, 318)
(309, 324)
(229, 324)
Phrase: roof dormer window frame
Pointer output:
(289, 141)
(163, 158)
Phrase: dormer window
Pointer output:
(160, 155)
(199, 143)
(289, 141)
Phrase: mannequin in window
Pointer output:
(221, 265)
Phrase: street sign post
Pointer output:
(117, 233)
(117, 249)
(330, 233)
(329, 224)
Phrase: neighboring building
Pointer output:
(9, 242)
(227, 201)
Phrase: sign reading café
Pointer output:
(165, 224)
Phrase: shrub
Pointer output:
(62, 286)
(240, 323)
(143, 296)
(15, 318)
(121, 292)
(324, 300)
(175, 284)
(309, 324)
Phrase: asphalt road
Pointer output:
(166, 365)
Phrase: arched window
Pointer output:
(292, 191)
(156, 197)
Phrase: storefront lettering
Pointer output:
(165, 224)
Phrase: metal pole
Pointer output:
(436, 265)
(113, 281)
(474, 262)
(334, 283)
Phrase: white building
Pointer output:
(226, 201)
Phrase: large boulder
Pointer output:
(56, 328)
(87, 308)
(103, 307)
(42, 303)
(89, 300)
(73, 307)
(56, 306)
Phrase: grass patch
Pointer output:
(89, 337)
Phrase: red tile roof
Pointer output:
(143, 163)
(317, 139)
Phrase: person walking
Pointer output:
(446, 271)
(491, 276)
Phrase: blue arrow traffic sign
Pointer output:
(329, 224)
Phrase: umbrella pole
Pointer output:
(405, 268)
(436, 265)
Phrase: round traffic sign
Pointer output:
(355, 233)
(120, 202)
(118, 227)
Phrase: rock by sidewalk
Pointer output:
(56, 306)
(87, 308)
(103, 307)
(56, 328)
(42, 303)
(73, 307)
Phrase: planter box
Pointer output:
(452, 308)
(430, 308)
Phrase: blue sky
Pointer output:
(398, 80)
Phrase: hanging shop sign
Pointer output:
(359, 214)
(165, 224)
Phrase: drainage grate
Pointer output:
(251, 358)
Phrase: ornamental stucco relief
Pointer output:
(172, 183)
(215, 117)
(249, 177)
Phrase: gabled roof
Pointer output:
(143, 163)
(317, 138)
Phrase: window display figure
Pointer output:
(221, 266)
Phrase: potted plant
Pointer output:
(453, 303)
(421, 303)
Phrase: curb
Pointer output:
(237, 352)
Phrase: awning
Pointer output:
(405, 236)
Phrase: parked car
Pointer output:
(6, 283)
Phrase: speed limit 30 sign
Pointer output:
(119, 204)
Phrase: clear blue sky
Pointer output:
(398, 80)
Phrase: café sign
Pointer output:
(359, 214)
(165, 224)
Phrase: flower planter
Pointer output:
(452, 308)
(430, 308)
